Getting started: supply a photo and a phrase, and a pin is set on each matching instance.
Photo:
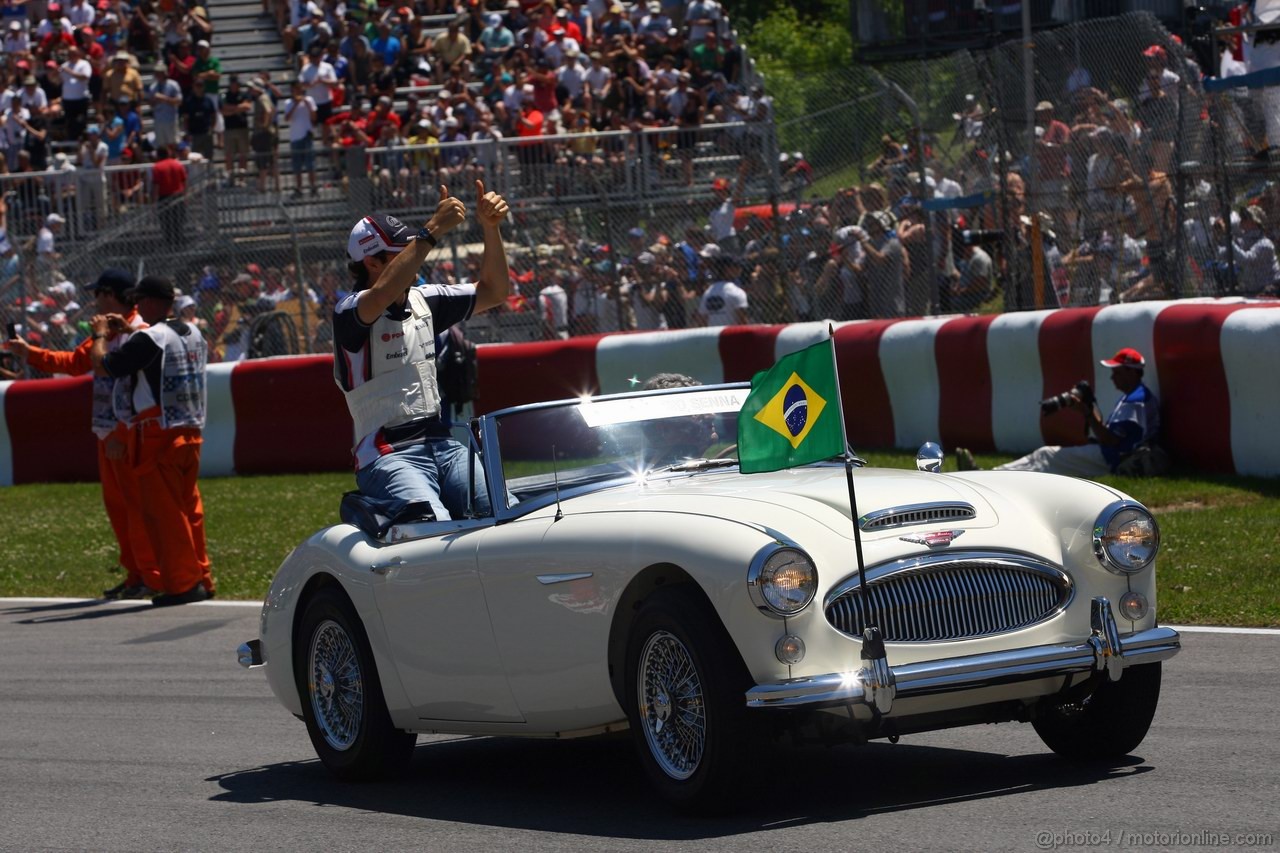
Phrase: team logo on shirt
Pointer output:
(390, 336)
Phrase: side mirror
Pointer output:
(929, 457)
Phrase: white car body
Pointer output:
(519, 624)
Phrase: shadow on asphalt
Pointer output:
(596, 787)
(72, 611)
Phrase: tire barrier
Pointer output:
(967, 381)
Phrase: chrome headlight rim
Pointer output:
(756, 580)
(1102, 529)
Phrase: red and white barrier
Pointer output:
(963, 381)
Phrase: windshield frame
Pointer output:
(492, 456)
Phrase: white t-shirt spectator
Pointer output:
(74, 88)
(44, 241)
(571, 77)
(721, 221)
(14, 133)
(557, 48)
(698, 10)
(317, 78)
(36, 101)
(93, 156)
(598, 77)
(16, 43)
(553, 310)
(81, 13)
(721, 303)
(46, 27)
(300, 123)
(676, 100)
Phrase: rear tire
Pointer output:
(685, 695)
(342, 700)
(1111, 723)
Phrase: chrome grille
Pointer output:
(902, 516)
(941, 598)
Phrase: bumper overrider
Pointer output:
(876, 684)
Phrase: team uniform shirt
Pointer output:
(1135, 419)
(369, 358)
(721, 302)
(167, 362)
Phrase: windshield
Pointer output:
(590, 441)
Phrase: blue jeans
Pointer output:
(436, 472)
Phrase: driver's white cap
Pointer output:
(378, 232)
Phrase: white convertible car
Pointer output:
(631, 576)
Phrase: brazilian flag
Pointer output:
(792, 415)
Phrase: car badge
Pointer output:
(936, 539)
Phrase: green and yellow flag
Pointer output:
(792, 415)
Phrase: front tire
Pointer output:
(342, 700)
(686, 703)
(1109, 724)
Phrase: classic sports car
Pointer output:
(632, 576)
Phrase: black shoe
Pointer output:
(196, 593)
(140, 590)
(115, 592)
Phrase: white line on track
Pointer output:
(214, 603)
(1189, 629)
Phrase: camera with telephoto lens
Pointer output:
(1058, 401)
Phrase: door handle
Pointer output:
(383, 568)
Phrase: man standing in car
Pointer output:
(385, 359)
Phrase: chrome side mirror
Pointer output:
(929, 457)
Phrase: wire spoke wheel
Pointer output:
(336, 685)
(672, 705)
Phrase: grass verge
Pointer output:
(1219, 564)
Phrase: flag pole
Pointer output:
(848, 475)
(877, 679)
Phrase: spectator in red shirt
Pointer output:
(531, 151)
(382, 114)
(181, 65)
(169, 178)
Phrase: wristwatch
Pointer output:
(97, 336)
(425, 235)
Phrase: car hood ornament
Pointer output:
(934, 539)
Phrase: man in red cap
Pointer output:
(1134, 421)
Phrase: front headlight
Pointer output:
(782, 580)
(1125, 537)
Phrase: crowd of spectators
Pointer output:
(938, 223)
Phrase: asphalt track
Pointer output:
(123, 727)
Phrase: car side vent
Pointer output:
(930, 513)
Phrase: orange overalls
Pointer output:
(166, 464)
(121, 493)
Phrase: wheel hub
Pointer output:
(662, 706)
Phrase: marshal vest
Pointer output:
(182, 390)
(111, 395)
(402, 363)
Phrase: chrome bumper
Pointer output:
(249, 655)
(877, 684)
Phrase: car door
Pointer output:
(550, 585)
(437, 625)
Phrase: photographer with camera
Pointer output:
(1135, 421)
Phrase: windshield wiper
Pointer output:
(699, 464)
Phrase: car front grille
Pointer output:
(949, 597)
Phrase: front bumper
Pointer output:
(876, 684)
